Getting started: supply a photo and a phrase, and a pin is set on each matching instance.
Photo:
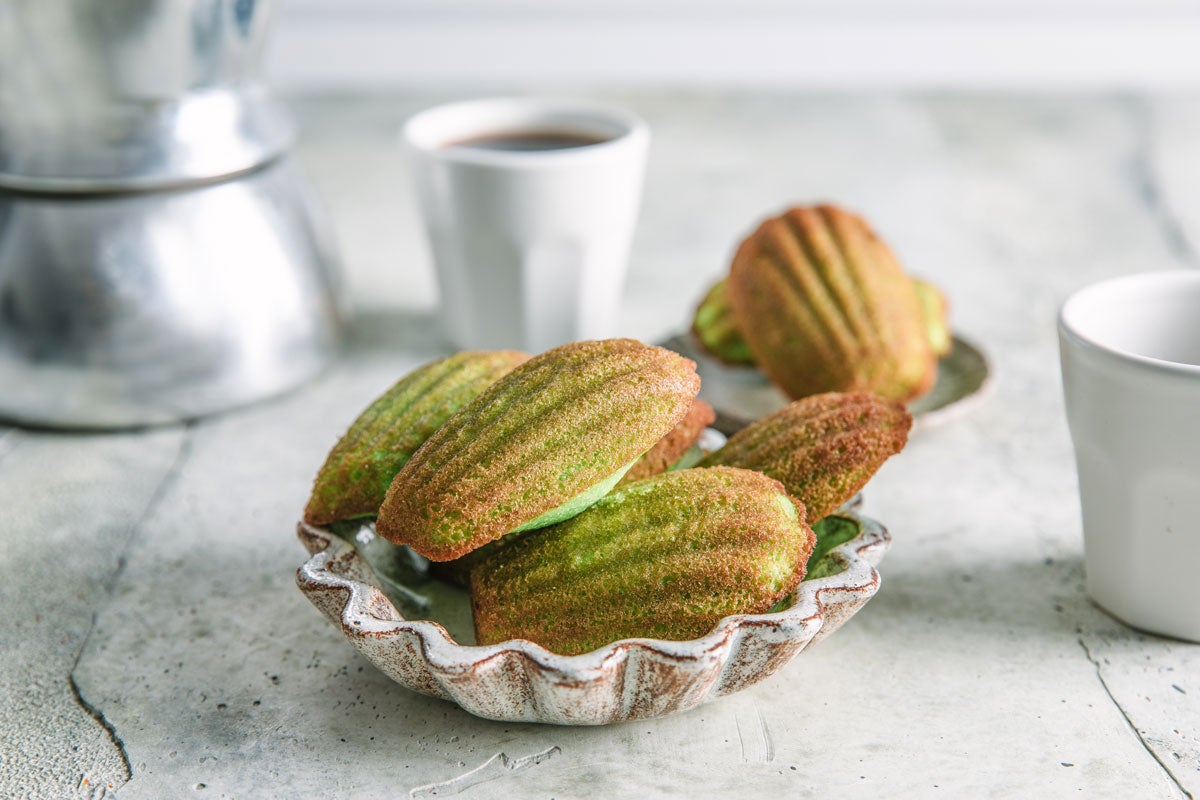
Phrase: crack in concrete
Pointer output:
(95, 713)
(495, 767)
(1129, 721)
(768, 742)
(91, 709)
(1148, 187)
(758, 748)
(160, 491)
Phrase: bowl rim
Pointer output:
(359, 620)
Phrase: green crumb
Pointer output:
(577, 504)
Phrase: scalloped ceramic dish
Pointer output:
(427, 647)
(742, 394)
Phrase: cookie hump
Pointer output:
(359, 469)
(823, 449)
(665, 557)
(824, 306)
(556, 429)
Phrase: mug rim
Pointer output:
(430, 131)
(1071, 333)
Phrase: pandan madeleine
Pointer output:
(538, 446)
(665, 454)
(825, 306)
(823, 448)
(672, 447)
(936, 313)
(358, 471)
(715, 328)
(665, 557)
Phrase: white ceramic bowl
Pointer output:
(521, 681)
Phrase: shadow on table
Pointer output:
(1014, 600)
(1005, 613)
(305, 690)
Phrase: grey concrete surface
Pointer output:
(152, 643)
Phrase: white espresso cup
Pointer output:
(530, 207)
(1131, 376)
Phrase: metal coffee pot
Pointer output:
(160, 257)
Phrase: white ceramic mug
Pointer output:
(1131, 376)
(531, 246)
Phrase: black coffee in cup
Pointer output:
(531, 140)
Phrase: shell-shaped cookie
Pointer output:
(538, 445)
(659, 458)
(360, 467)
(936, 312)
(825, 306)
(715, 328)
(665, 557)
(674, 445)
(823, 448)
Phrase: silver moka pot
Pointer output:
(160, 257)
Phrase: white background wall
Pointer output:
(970, 44)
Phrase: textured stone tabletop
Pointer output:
(153, 644)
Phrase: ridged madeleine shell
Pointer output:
(825, 306)
(556, 426)
(665, 557)
(823, 448)
(360, 467)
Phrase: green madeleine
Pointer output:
(824, 306)
(934, 312)
(716, 329)
(823, 449)
(358, 471)
(664, 557)
(543, 442)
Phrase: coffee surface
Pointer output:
(530, 140)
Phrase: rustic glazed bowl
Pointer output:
(359, 585)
